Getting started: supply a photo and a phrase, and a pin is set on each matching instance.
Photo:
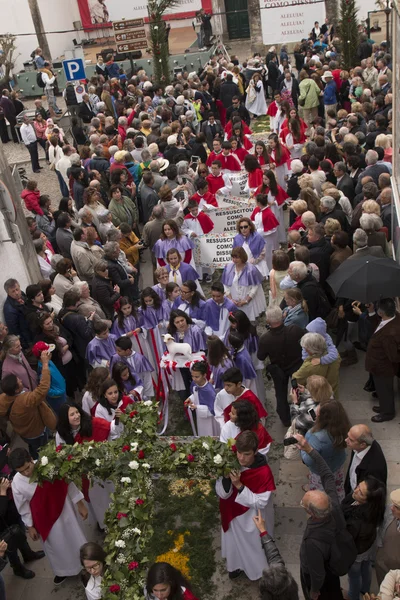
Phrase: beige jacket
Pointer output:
(388, 586)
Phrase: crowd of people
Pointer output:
(147, 167)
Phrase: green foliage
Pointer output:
(348, 32)
(159, 45)
(130, 462)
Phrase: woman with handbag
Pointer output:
(12, 532)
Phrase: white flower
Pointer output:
(134, 465)
(138, 431)
(137, 531)
(121, 559)
(120, 544)
(217, 459)
(90, 448)
(206, 446)
(134, 446)
(44, 461)
(97, 462)
(160, 60)
(145, 465)
(126, 480)
(148, 402)
(155, 27)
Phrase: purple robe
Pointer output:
(167, 307)
(213, 311)
(206, 395)
(255, 242)
(160, 291)
(218, 371)
(194, 337)
(161, 247)
(243, 363)
(194, 312)
(250, 275)
(150, 317)
(187, 272)
(250, 343)
(129, 387)
(129, 324)
(98, 351)
(137, 363)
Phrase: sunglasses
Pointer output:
(243, 227)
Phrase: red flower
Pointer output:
(233, 448)
(126, 448)
(121, 515)
(133, 565)
(69, 457)
(133, 414)
(139, 501)
(140, 454)
(59, 448)
(173, 447)
(190, 458)
(114, 589)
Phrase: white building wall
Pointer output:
(12, 264)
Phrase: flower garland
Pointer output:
(130, 462)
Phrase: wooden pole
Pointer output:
(39, 28)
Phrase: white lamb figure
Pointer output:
(176, 348)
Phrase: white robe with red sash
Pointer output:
(65, 538)
(241, 545)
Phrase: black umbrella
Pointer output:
(366, 279)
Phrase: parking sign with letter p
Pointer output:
(74, 69)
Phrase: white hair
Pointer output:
(370, 222)
(273, 314)
(360, 238)
(314, 344)
(328, 202)
(371, 158)
(298, 270)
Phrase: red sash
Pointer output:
(255, 178)
(187, 595)
(230, 162)
(258, 481)
(248, 395)
(269, 220)
(47, 505)
(245, 128)
(285, 157)
(215, 183)
(205, 222)
(208, 198)
(126, 401)
(100, 432)
(213, 156)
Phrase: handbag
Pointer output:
(291, 452)
(10, 535)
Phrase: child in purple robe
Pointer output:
(216, 311)
(179, 271)
(219, 359)
(172, 295)
(102, 347)
(240, 323)
(171, 237)
(201, 401)
(182, 329)
(192, 303)
(162, 276)
(253, 243)
(242, 361)
(241, 282)
(126, 322)
(138, 364)
(127, 384)
(151, 318)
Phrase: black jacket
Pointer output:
(100, 164)
(312, 292)
(293, 188)
(362, 531)
(85, 112)
(373, 463)
(80, 329)
(103, 293)
(319, 535)
(243, 112)
(320, 254)
(338, 214)
(227, 91)
(281, 345)
(373, 171)
(346, 185)
(364, 50)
